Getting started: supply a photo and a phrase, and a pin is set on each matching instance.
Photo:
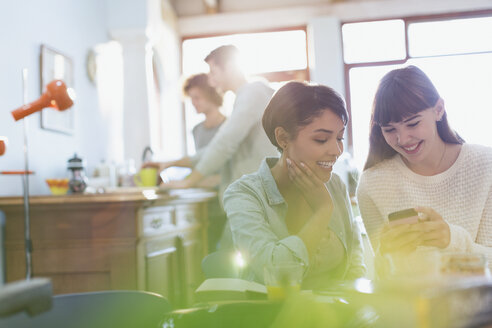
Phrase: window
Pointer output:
(277, 56)
(456, 53)
(372, 42)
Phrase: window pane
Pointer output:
(450, 37)
(260, 52)
(373, 41)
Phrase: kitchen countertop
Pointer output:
(133, 194)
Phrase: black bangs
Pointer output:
(395, 101)
(316, 100)
(401, 94)
(331, 100)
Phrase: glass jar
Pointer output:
(78, 179)
(126, 173)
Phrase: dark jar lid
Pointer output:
(75, 163)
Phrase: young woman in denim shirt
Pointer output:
(294, 209)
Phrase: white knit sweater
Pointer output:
(462, 195)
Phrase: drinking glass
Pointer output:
(282, 279)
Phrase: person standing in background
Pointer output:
(240, 144)
(207, 101)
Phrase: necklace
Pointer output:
(442, 157)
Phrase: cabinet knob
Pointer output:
(156, 223)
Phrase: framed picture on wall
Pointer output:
(56, 66)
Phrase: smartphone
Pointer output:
(407, 216)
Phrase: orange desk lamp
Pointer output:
(56, 96)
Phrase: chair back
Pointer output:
(118, 309)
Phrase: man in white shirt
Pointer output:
(241, 143)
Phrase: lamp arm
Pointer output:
(37, 105)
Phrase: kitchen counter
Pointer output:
(112, 240)
(115, 195)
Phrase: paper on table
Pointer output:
(230, 289)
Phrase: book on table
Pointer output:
(223, 289)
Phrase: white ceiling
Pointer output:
(197, 7)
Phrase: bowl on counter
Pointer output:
(58, 186)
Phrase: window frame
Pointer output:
(407, 20)
(278, 76)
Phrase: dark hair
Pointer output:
(200, 81)
(296, 104)
(223, 55)
(401, 93)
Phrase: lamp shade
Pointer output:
(55, 96)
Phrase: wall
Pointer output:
(168, 134)
(72, 27)
(146, 31)
(127, 24)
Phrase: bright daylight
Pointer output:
(250, 164)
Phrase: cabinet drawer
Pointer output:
(187, 215)
(160, 246)
(157, 220)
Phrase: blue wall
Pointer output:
(72, 27)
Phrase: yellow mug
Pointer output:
(146, 177)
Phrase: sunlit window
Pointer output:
(456, 54)
(450, 37)
(280, 54)
(373, 41)
(363, 84)
(465, 83)
(260, 52)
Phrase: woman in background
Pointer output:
(294, 209)
(417, 161)
(207, 101)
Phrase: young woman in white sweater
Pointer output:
(417, 161)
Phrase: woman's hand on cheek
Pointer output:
(435, 230)
(399, 238)
(313, 189)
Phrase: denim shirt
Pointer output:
(256, 214)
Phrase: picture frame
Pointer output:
(56, 66)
